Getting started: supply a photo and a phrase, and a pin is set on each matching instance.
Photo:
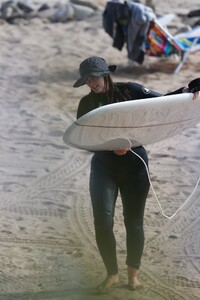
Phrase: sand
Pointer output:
(47, 244)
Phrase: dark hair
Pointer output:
(111, 87)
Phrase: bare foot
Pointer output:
(134, 284)
(108, 283)
(133, 281)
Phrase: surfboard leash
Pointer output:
(151, 185)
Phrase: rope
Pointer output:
(186, 201)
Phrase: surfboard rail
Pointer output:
(133, 122)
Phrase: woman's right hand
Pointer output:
(121, 151)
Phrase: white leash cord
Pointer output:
(166, 216)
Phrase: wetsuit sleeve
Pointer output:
(178, 91)
(193, 86)
(141, 92)
(81, 109)
(85, 105)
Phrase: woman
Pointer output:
(113, 171)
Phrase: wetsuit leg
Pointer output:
(103, 191)
(134, 190)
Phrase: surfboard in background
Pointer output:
(135, 123)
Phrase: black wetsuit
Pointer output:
(110, 174)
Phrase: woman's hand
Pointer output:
(194, 87)
(121, 151)
(195, 94)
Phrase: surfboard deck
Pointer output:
(133, 123)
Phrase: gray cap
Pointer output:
(93, 66)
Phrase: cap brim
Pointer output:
(81, 81)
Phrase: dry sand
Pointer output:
(47, 245)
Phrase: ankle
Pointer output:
(132, 272)
(133, 281)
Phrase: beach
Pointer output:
(47, 242)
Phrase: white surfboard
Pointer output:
(135, 123)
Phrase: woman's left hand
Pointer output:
(195, 94)
(194, 87)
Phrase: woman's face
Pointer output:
(97, 84)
